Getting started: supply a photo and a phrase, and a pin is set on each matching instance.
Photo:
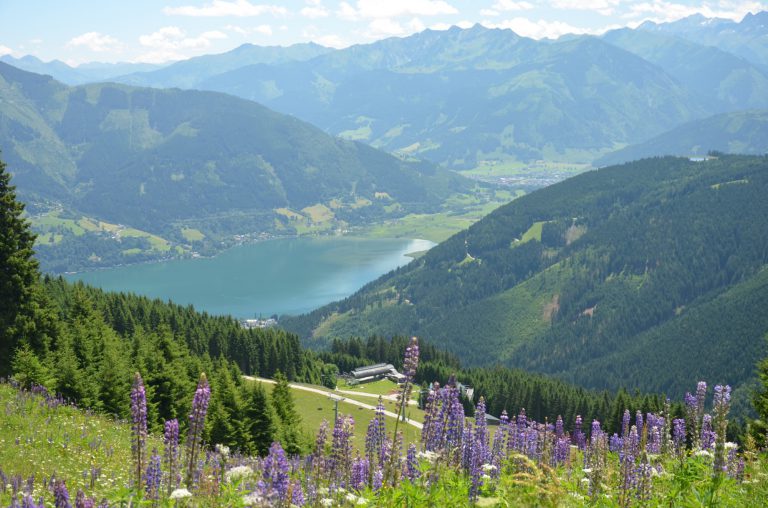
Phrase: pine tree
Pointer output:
(260, 418)
(24, 314)
(282, 401)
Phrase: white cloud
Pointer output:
(96, 41)
(604, 7)
(5, 50)
(379, 9)
(263, 29)
(314, 12)
(219, 8)
(509, 5)
(489, 12)
(347, 12)
(172, 43)
(540, 29)
(384, 27)
(237, 29)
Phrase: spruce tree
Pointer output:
(260, 420)
(24, 317)
(282, 401)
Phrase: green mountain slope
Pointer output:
(739, 132)
(595, 271)
(558, 100)
(722, 80)
(168, 160)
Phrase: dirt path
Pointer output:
(363, 405)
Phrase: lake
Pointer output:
(281, 276)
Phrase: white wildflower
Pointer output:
(585, 481)
(180, 494)
(323, 491)
(731, 445)
(577, 495)
(252, 498)
(428, 455)
(485, 478)
(361, 500)
(237, 472)
(351, 498)
(587, 470)
(326, 501)
(488, 468)
(222, 450)
(703, 453)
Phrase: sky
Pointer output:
(156, 31)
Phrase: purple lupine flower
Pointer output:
(579, 438)
(196, 424)
(691, 418)
(559, 432)
(81, 501)
(318, 458)
(562, 450)
(468, 445)
(171, 455)
(378, 479)
(410, 364)
(360, 473)
(154, 476)
(708, 436)
(678, 436)
(701, 395)
(499, 446)
(639, 423)
(376, 436)
(297, 493)
(61, 495)
(625, 423)
(138, 427)
(341, 449)
(411, 361)
(643, 488)
(722, 404)
(411, 463)
(615, 443)
(481, 433)
(29, 502)
(276, 472)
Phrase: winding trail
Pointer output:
(363, 405)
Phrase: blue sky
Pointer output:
(78, 31)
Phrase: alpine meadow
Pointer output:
(441, 253)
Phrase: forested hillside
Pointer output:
(593, 280)
(191, 168)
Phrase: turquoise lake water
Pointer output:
(282, 276)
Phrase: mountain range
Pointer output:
(461, 97)
(468, 97)
(648, 275)
(166, 160)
